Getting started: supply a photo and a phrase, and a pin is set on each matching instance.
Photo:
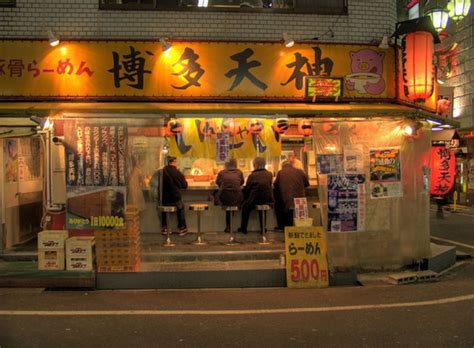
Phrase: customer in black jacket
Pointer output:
(290, 183)
(171, 180)
(257, 190)
(229, 181)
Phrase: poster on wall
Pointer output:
(329, 163)
(353, 159)
(385, 173)
(222, 147)
(29, 167)
(10, 155)
(96, 175)
(346, 203)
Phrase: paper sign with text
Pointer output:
(306, 257)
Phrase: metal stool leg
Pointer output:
(232, 240)
(168, 242)
(264, 232)
(199, 240)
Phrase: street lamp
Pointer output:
(458, 9)
(439, 18)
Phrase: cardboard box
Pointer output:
(52, 239)
(51, 259)
(80, 253)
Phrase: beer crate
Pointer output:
(52, 239)
(51, 259)
(80, 253)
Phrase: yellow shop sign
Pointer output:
(137, 70)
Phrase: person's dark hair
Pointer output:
(231, 164)
(259, 163)
(171, 159)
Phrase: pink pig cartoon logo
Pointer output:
(367, 70)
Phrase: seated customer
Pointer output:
(257, 190)
(171, 180)
(229, 181)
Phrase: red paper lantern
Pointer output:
(443, 166)
(305, 128)
(418, 76)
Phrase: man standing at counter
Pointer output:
(257, 190)
(171, 181)
(290, 183)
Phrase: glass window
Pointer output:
(330, 7)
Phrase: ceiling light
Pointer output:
(288, 41)
(53, 40)
(203, 3)
(165, 44)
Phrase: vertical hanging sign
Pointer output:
(443, 165)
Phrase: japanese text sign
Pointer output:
(132, 69)
(306, 257)
(443, 165)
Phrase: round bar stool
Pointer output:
(262, 209)
(231, 210)
(199, 208)
(167, 209)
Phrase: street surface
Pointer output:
(438, 314)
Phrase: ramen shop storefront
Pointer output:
(333, 99)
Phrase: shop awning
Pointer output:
(444, 135)
(117, 109)
(11, 127)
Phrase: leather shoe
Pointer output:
(242, 230)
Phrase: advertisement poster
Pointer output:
(29, 166)
(346, 203)
(329, 164)
(385, 173)
(95, 207)
(306, 257)
(96, 175)
(353, 159)
(10, 155)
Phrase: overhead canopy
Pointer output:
(445, 135)
(152, 109)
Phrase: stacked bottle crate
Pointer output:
(119, 250)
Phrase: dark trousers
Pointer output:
(180, 213)
(246, 210)
(284, 217)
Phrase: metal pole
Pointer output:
(168, 242)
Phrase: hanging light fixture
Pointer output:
(165, 44)
(288, 41)
(418, 53)
(439, 18)
(53, 39)
(458, 9)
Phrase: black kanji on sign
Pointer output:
(191, 71)
(131, 68)
(243, 68)
(301, 67)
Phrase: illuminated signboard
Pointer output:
(323, 87)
